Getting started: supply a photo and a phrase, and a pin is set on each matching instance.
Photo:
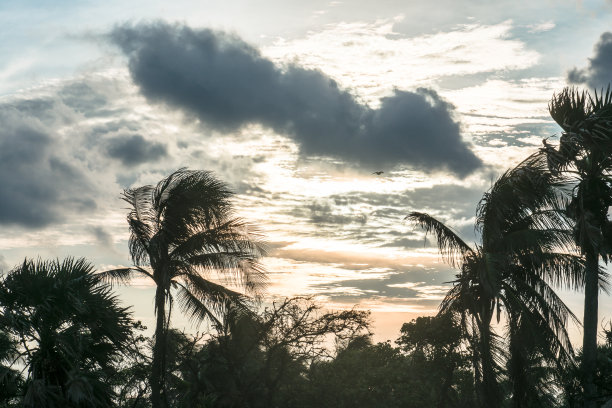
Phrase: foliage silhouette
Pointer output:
(525, 239)
(185, 238)
(70, 328)
(583, 158)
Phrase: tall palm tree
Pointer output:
(584, 156)
(185, 238)
(523, 249)
(71, 330)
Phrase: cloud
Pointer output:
(407, 243)
(134, 149)
(228, 84)
(376, 57)
(348, 276)
(37, 183)
(68, 149)
(598, 73)
(540, 27)
(102, 237)
(82, 98)
(447, 199)
(322, 213)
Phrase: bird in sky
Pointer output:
(378, 173)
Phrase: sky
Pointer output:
(294, 105)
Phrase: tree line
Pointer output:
(499, 340)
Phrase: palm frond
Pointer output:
(547, 315)
(188, 201)
(569, 107)
(123, 275)
(198, 310)
(452, 248)
(234, 268)
(534, 296)
(141, 220)
(559, 269)
(602, 99)
(522, 197)
(233, 234)
(120, 275)
(212, 293)
(69, 319)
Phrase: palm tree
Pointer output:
(71, 330)
(524, 242)
(185, 238)
(584, 157)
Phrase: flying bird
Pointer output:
(378, 173)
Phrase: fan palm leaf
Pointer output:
(67, 321)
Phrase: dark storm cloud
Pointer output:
(134, 149)
(227, 83)
(598, 73)
(37, 185)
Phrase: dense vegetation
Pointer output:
(499, 340)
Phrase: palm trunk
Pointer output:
(490, 394)
(475, 343)
(517, 367)
(589, 344)
(159, 351)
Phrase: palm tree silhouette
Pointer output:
(185, 238)
(71, 329)
(584, 158)
(524, 244)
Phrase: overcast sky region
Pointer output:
(294, 104)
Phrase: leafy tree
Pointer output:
(131, 379)
(70, 328)
(258, 360)
(297, 333)
(583, 157)
(524, 244)
(572, 379)
(185, 238)
(438, 341)
(363, 375)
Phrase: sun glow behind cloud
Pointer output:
(335, 230)
(373, 59)
(284, 182)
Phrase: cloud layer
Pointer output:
(135, 149)
(228, 84)
(38, 184)
(598, 73)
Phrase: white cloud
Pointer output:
(541, 27)
(373, 59)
